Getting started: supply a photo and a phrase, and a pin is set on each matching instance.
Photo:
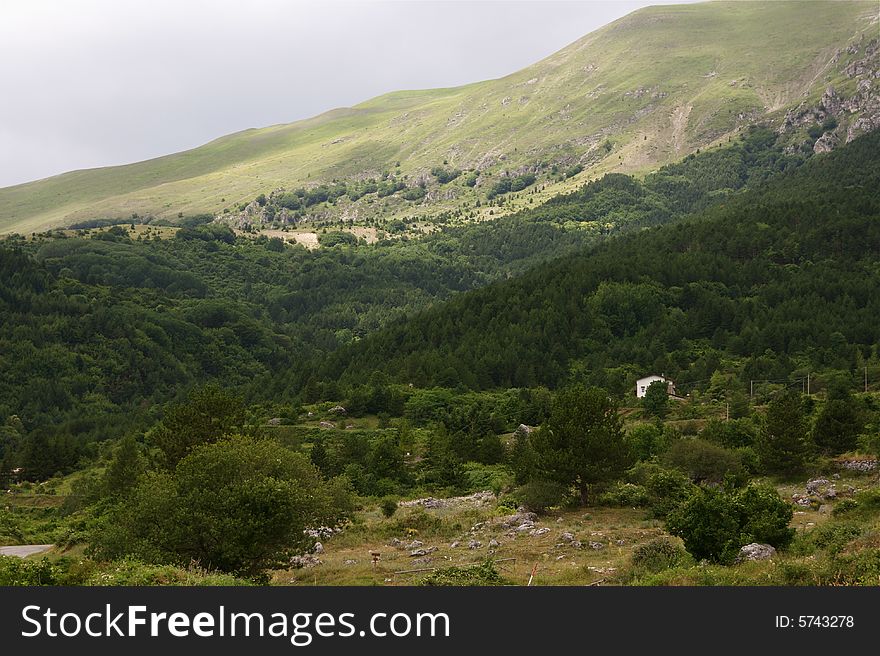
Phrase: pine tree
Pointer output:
(582, 444)
(783, 443)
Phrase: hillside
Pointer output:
(780, 280)
(642, 91)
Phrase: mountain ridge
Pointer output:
(648, 88)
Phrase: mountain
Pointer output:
(780, 279)
(647, 89)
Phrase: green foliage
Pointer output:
(239, 506)
(650, 440)
(388, 506)
(18, 571)
(783, 442)
(703, 461)
(208, 415)
(540, 495)
(582, 444)
(445, 175)
(625, 495)
(656, 399)
(476, 575)
(657, 555)
(130, 572)
(331, 239)
(684, 297)
(714, 523)
(10, 527)
(838, 426)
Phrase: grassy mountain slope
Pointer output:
(639, 92)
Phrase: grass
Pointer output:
(559, 109)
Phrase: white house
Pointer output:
(642, 385)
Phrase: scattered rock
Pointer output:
(539, 531)
(349, 561)
(620, 543)
(519, 518)
(306, 560)
(560, 557)
(326, 424)
(824, 509)
(596, 545)
(567, 537)
(415, 544)
(755, 551)
(337, 410)
(415, 553)
(576, 544)
(475, 499)
(858, 464)
(455, 545)
(494, 544)
(318, 548)
(474, 544)
(274, 421)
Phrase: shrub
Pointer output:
(657, 555)
(388, 506)
(475, 575)
(17, 571)
(539, 495)
(834, 536)
(703, 461)
(715, 522)
(238, 506)
(667, 490)
(625, 495)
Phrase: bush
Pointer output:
(388, 506)
(625, 495)
(539, 495)
(715, 523)
(17, 571)
(834, 536)
(703, 461)
(657, 555)
(667, 490)
(476, 575)
(238, 506)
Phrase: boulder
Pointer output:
(318, 548)
(755, 551)
(474, 544)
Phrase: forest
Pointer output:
(206, 397)
(100, 327)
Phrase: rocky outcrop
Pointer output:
(755, 551)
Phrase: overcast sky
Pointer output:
(100, 82)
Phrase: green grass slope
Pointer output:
(642, 91)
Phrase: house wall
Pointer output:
(642, 384)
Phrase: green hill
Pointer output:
(642, 91)
(779, 280)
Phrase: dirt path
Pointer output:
(23, 550)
